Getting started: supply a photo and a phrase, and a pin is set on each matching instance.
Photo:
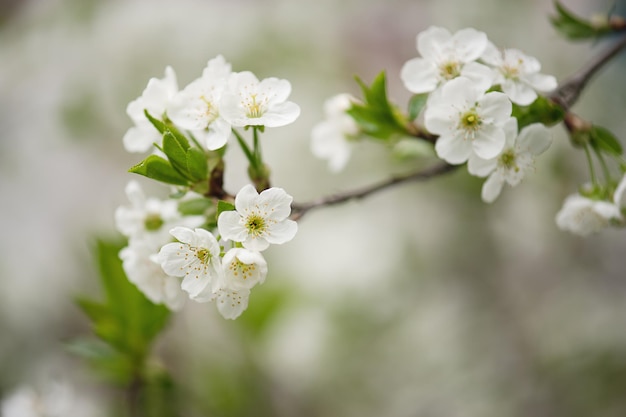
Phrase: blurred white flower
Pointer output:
(150, 219)
(196, 107)
(584, 216)
(518, 74)
(243, 269)
(516, 159)
(57, 399)
(142, 268)
(259, 219)
(231, 303)
(467, 121)
(619, 196)
(196, 257)
(250, 102)
(154, 99)
(331, 138)
(444, 57)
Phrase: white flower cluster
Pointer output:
(584, 216)
(471, 86)
(257, 221)
(156, 265)
(170, 256)
(460, 72)
(210, 106)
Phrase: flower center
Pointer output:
(203, 255)
(510, 72)
(470, 122)
(255, 109)
(246, 270)
(255, 225)
(210, 112)
(507, 159)
(450, 70)
(153, 222)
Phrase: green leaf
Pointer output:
(126, 319)
(542, 110)
(164, 128)
(197, 164)
(416, 105)
(573, 27)
(177, 154)
(376, 116)
(224, 206)
(603, 139)
(196, 206)
(159, 169)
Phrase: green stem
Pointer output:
(605, 168)
(594, 180)
(245, 148)
(257, 147)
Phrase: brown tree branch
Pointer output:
(299, 210)
(568, 92)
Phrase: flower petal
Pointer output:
(430, 43)
(231, 303)
(453, 149)
(481, 167)
(492, 188)
(230, 228)
(282, 232)
(495, 107)
(535, 138)
(419, 75)
(489, 141)
(469, 44)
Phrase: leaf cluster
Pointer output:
(125, 322)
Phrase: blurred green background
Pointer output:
(418, 301)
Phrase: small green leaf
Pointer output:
(176, 153)
(376, 116)
(223, 206)
(197, 164)
(196, 206)
(164, 128)
(159, 169)
(603, 139)
(542, 110)
(416, 104)
(573, 27)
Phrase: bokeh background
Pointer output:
(418, 301)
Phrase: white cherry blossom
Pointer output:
(514, 162)
(196, 257)
(142, 268)
(231, 303)
(445, 56)
(518, 74)
(250, 102)
(331, 138)
(467, 121)
(196, 107)
(150, 219)
(243, 269)
(154, 99)
(259, 219)
(584, 216)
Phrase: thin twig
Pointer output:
(568, 92)
(299, 210)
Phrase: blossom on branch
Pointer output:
(331, 138)
(197, 106)
(259, 219)
(444, 57)
(154, 99)
(467, 120)
(250, 102)
(584, 216)
(142, 268)
(518, 74)
(196, 257)
(514, 162)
